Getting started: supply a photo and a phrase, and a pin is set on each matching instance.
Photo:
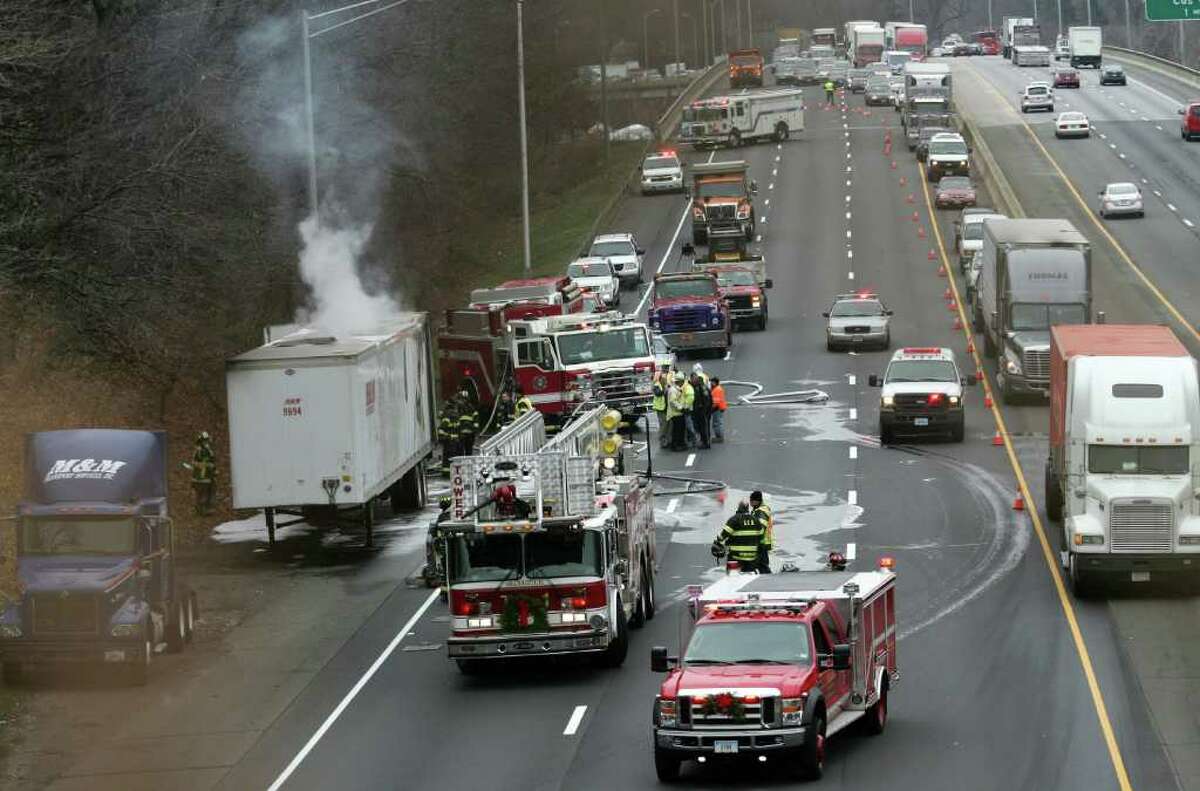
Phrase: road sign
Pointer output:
(1170, 10)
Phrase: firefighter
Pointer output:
(762, 512)
(204, 473)
(701, 407)
(689, 406)
(829, 88)
(447, 432)
(524, 404)
(742, 536)
(675, 416)
(505, 409)
(434, 568)
(659, 405)
(467, 423)
(719, 406)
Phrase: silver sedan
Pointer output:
(1122, 198)
(857, 320)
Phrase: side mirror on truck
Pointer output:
(841, 657)
(873, 381)
(754, 187)
(768, 283)
(660, 662)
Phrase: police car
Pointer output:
(858, 319)
(922, 394)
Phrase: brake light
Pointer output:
(922, 350)
(595, 595)
(464, 603)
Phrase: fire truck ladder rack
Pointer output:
(526, 434)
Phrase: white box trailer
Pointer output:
(1085, 45)
(323, 426)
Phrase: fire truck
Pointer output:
(775, 664)
(548, 552)
(539, 296)
(560, 362)
(763, 114)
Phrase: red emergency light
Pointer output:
(935, 399)
(922, 350)
(887, 563)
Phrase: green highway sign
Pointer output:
(1171, 10)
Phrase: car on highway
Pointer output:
(598, 276)
(1189, 125)
(966, 48)
(858, 80)
(937, 52)
(878, 92)
(1062, 49)
(1112, 74)
(896, 84)
(1037, 96)
(1122, 198)
(925, 136)
(922, 393)
(857, 319)
(968, 233)
(662, 172)
(1072, 124)
(622, 251)
(947, 155)
(954, 192)
(974, 266)
(1065, 77)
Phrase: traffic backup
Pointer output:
(775, 664)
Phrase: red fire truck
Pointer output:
(550, 552)
(560, 362)
(775, 664)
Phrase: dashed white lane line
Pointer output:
(767, 202)
(851, 379)
(853, 413)
(1171, 206)
(1189, 223)
(1145, 182)
(691, 459)
(851, 547)
(849, 253)
(758, 238)
(1159, 128)
(353, 693)
(672, 505)
(771, 186)
(849, 169)
(847, 199)
(1113, 146)
(847, 182)
(778, 157)
(849, 233)
(576, 719)
(1157, 194)
(1121, 155)
(847, 215)
(848, 155)
(1103, 136)
(854, 451)
(849, 275)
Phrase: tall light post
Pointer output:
(912, 17)
(646, 36)
(526, 245)
(1060, 16)
(307, 35)
(695, 36)
(990, 25)
(675, 8)
(1128, 29)
(749, 25)
(1089, 7)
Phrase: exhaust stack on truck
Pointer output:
(1124, 413)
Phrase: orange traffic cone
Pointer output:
(910, 198)
(921, 232)
(987, 400)
(893, 164)
(970, 347)
(957, 323)
(941, 271)
(947, 294)
(979, 376)
(950, 306)
(903, 180)
(1019, 502)
(997, 440)
(916, 217)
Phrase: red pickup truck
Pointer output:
(775, 665)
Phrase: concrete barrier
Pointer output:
(1164, 66)
(988, 173)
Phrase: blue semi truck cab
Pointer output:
(99, 577)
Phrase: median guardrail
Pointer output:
(1165, 66)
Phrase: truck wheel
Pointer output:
(1081, 582)
(876, 719)
(193, 610)
(762, 322)
(1054, 496)
(885, 435)
(1006, 392)
(666, 765)
(177, 627)
(139, 669)
(409, 491)
(959, 430)
(650, 604)
(812, 754)
(639, 609)
(614, 655)
(14, 674)
(781, 132)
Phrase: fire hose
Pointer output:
(757, 398)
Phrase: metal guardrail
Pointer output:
(1137, 55)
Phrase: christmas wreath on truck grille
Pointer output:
(523, 613)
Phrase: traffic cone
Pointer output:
(932, 256)
(910, 198)
(957, 323)
(979, 376)
(893, 164)
(970, 347)
(903, 180)
(921, 232)
(997, 440)
(951, 307)
(947, 294)
(721, 497)
(987, 400)
(1018, 502)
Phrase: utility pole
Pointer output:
(750, 23)
(990, 25)
(1128, 29)
(705, 59)
(675, 5)
(912, 17)
(524, 139)
(1182, 56)
(737, 10)
(1060, 28)
(604, 83)
(1089, 7)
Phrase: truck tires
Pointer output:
(666, 765)
(876, 719)
(614, 655)
(781, 132)
(1054, 496)
(958, 431)
(886, 437)
(812, 754)
(408, 493)
(177, 626)
(1081, 582)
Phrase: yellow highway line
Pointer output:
(1070, 185)
(1085, 659)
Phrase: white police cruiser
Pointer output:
(922, 394)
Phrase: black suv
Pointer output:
(1112, 75)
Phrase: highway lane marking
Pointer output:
(852, 497)
(670, 248)
(848, 233)
(851, 379)
(853, 413)
(1121, 155)
(691, 459)
(1159, 128)
(353, 693)
(1112, 240)
(1048, 554)
(1103, 136)
(1157, 194)
(849, 275)
(849, 253)
(576, 719)
(1189, 223)
(1171, 206)
(847, 215)
(847, 182)
(672, 505)
(851, 548)
(854, 451)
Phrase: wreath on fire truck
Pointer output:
(725, 703)
(524, 613)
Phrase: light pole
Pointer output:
(695, 36)
(675, 8)
(646, 36)
(737, 10)
(307, 35)
(912, 18)
(1060, 16)
(526, 247)
(1089, 7)
(749, 25)
(1128, 29)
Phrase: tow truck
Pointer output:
(741, 276)
(549, 550)
(922, 394)
(722, 198)
(775, 664)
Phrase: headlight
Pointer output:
(793, 711)
(1082, 539)
(1012, 365)
(125, 630)
(1189, 541)
(668, 713)
(886, 401)
(743, 213)
(716, 320)
(953, 400)
(756, 301)
(10, 630)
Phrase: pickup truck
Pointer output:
(687, 310)
(742, 282)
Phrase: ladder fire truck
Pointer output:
(548, 551)
(559, 361)
(775, 664)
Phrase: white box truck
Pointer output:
(322, 426)
(1084, 44)
(1124, 442)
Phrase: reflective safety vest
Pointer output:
(523, 405)
(659, 403)
(765, 518)
(829, 86)
(467, 423)
(204, 465)
(689, 397)
(743, 533)
(718, 398)
(447, 426)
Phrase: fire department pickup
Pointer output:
(775, 664)
(922, 394)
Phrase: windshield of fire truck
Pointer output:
(495, 558)
(705, 114)
(749, 642)
(78, 537)
(599, 345)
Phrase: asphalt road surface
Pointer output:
(996, 692)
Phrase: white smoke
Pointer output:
(329, 265)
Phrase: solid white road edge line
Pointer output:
(573, 723)
(851, 551)
(352, 694)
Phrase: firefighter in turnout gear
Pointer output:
(467, 423)
(762, 512)
(447, 432)
(659, 405)
(204, 473)
(523, 405)
(742, 535)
